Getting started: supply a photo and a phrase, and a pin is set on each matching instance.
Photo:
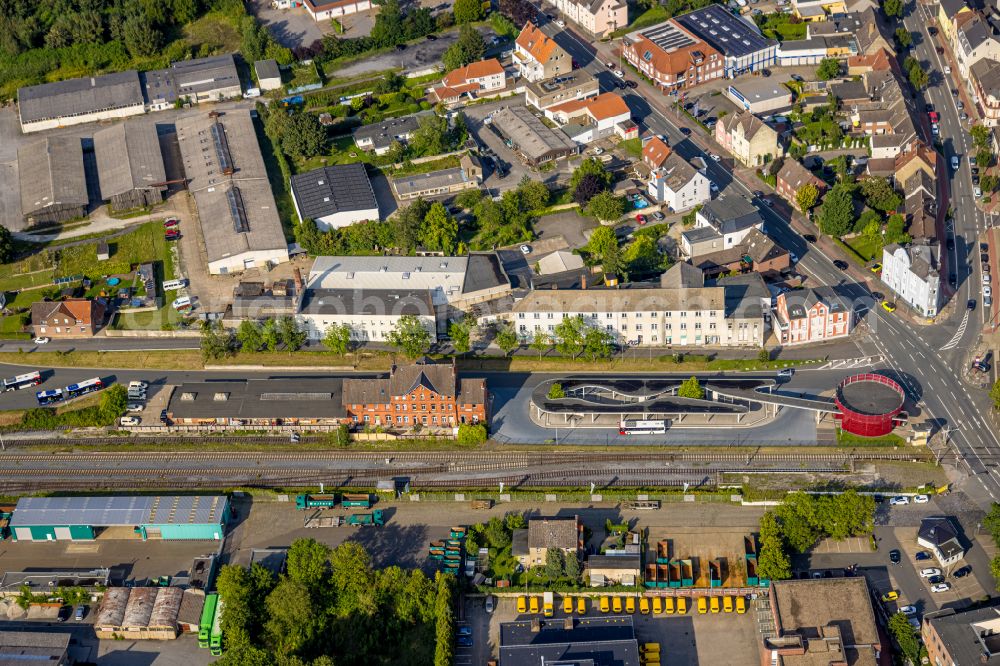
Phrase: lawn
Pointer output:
(449, 162)
(279, 184)
(652, 16)
(145, 244)
(632, 146)
(340, 151)
(847, 439)
(866, 247)
(214, 32)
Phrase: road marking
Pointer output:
(955, 339)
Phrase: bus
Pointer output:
(207, 615)
(630, 427)
(216, 636)
(49, 397)
(84, 387)
(22, 381)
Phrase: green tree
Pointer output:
(691, 388)
(981, 137)
(836, 213)
(291, 618)
(472, 433)
(467, 11)
(114, 400)
(445, 630)
(829, 68)
(506, 338)
(572, 567)
(806, 197)
(918, 77)
(292, 335)
(880, 195)
(540, 342)
(892, 8)
(6, 245)
(602, 241)
(431, 136)
(904, 38)
(468, 199)
(988, 183)
(642, 257)
(556, 391)
(598, 343)
(773, 562)
(902, 632)
(406, 223)
(410, 336)
(248, 335)
(337, 339)
(498, 533)
(140, 37)
(555, 563)
(763, 356)
(469, 47)
(995, 394)
(594, 167)
(304, 136)
(270, 334)
(460, 332)
(569, 336)
(352, 580)
(995, 570)
(439, 229)
(534, 194)
(606, 206)
(307, 563)
(588, 187)
(216, 341)
(387, 30)
(894, 232)
(798, 521)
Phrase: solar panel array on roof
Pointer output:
(121, 511)
(224, 158)
(668, 36)
(729, 34)
(189, 509)
(237, 211)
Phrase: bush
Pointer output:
(469, 433)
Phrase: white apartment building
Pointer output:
(371, 314)
(911, 272)
(679, 185)
(646, 317)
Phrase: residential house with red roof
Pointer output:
(538, 57)
(598, 17)
(478, 79)
(72, 318)
(811, 315)
(587, 120)
(791, 177)
(671, 57)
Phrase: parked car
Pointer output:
(658, 216)
(41, 341)
(875, 268)
(491, 603)
(81, 612)
(465, 641)
(894, 556)
(891, 595)
(962, 572)
(561, 23)
(930, 571)
(899, 500)
(908, 610)
(715, 157)
(525, 249)
(921, 499)
(840, 263)
(130, 421)
(171, 222)
(640, 218)
(620, 74)
(433, 38)
(934, 580)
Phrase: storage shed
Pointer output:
(111, 613)
(139, 608)
(84, 518)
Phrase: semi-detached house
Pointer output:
(538, 57)
(748, 138)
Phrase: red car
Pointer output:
(172, 235)
(933, 115)
(171, 222)
(641, 219)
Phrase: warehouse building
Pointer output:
(21, 647)
(140, 613)
(258, 402)
(468, 175)
(207, 79)
(335, 196)
(226, 174)
(82, 100)
(370, 314)
(52, 180)
(595, 641)
(166, 517)
(533, 141)
(130, 165)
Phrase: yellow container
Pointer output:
(630, 605)
(702, 605)
(727, 604)
(522, 605)
(581, 605)
(714, 604)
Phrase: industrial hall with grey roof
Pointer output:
(52, 180)
(130, 165)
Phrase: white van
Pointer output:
(172, 285)
(182, 303)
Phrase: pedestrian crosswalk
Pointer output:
(955, 339)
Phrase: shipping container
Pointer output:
(363, 519)
(650, 575)
(674, 576)
(687, 573)
(304, 502)
(715, 570)
(663, 552)
(357, 500)
(750, 546)
(752, 578)
(662, 575)
(457, 533)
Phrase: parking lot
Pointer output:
(723, 639)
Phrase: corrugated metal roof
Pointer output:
(75, 97)
(128, 510)
(128, 157)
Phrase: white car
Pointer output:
(715, 157)
(620, 74)
(41, 341)
(713, 187)
(609, 65)
(947, 69)
(130, 420)
(525, 249)
(930, 571)
(598, 151)
(977, 192)
(941, 587)
(794, 257)
(908, 611)
(914, 622)
(986, 278)
(134, 407)
(987, 291)
(896, 501)
(921, 499)
(561, 23)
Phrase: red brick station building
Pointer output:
(425, 393)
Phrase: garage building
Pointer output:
(167, 517)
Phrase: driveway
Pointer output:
(569, 224)
(415, 57)
(293, 27)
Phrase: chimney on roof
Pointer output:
(583, 281)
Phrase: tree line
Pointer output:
(333, 607)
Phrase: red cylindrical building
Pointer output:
(869, 404)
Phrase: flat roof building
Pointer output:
(52, 180)
(335, 196)
(370, 314)
(21, 647)
(130, 165)
(258, 402)
(153, 517)
(826, 620)
(592, 641)
(962, 638)
(81, 100)
(468, 175)
(226, 175)
(737, 39)
(533, 141)
(760, 96)
(207, 79)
